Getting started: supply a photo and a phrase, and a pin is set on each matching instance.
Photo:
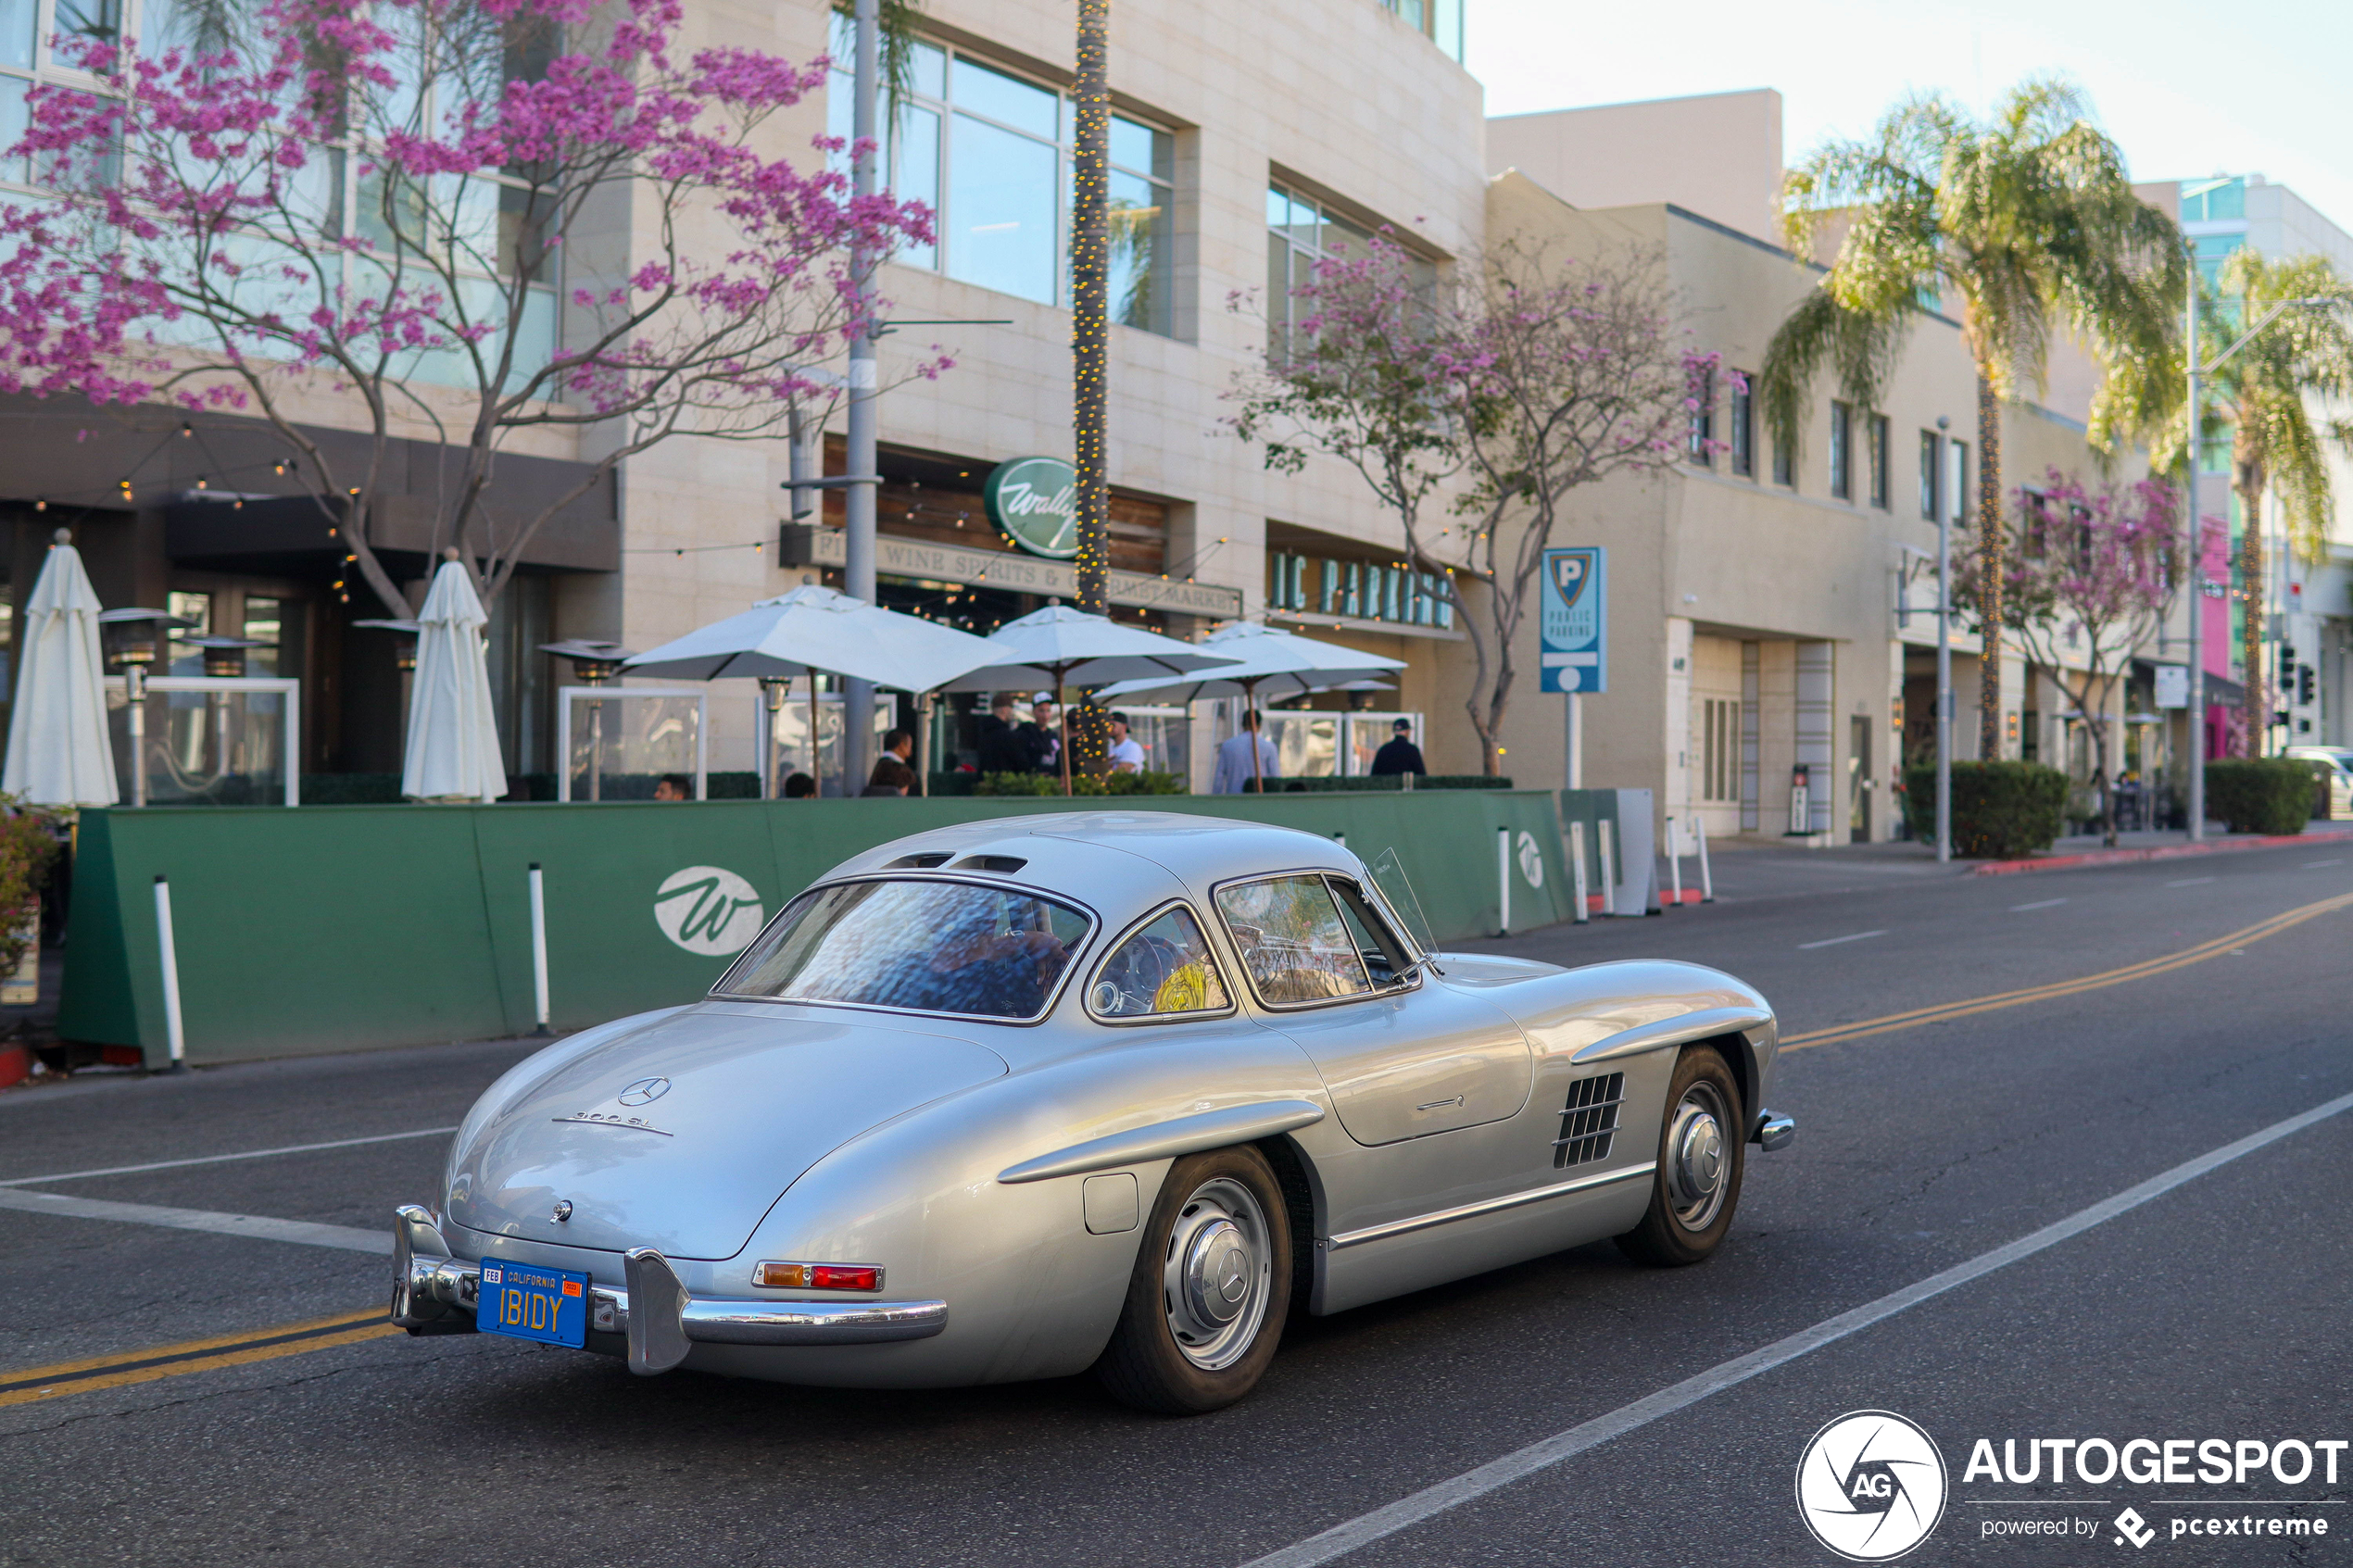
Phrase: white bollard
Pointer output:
(1503, 882)
(1706, 883)
(1610, 867)
(174, 1036)
(1674, 866)
(1577, 869)
(539, 949)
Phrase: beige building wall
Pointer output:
(1340, 99)
(1718, 154)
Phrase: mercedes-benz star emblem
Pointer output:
(645, 1091)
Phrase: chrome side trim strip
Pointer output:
(1161, 1141)
(1706, 1023)
(1490, 1206)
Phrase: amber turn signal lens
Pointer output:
(817, 1276)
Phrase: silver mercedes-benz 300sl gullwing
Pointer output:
(1107, 1090)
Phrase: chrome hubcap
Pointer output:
(1218, 1275)
(1698, 1158)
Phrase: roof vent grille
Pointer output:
(918, 862)
(1589, 1122)
(1003, 865)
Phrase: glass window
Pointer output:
(1960, 481)
(1932, 472)
(19, 32)
(265, 623)
(927, 946)
(1006, 99)
(1165, 967)
(1385, 957)
(1879, 461)
(1294, 944)
(1743, 421)
(98, 20)
(914, 172)
(1784, 463)
(1144, 253)
(1298, 235)
(1842, 438)
(1703, 423)
(1002, 216)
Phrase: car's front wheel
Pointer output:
(1212, 1286)
(1698, 1182)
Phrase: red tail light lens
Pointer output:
(818, 1277)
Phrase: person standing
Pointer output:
(1401, 755)
(895, 769)
(1127, 754)
(1041, 738)
(1000, 747)
(1244, 760)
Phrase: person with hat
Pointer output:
(1401, 755)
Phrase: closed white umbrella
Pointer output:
(1060, 646)
(453, 736)
(1271, 665)
(58, 750)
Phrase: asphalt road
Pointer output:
(2214, 1310)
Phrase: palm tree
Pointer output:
(2030, 219)
(2301, 350)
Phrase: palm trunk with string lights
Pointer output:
(2249, 480)
(1990, 532)
(1090, 328)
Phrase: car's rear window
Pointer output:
(923, 946)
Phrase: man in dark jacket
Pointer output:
(1002, 750)
(1401, 755)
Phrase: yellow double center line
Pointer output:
(2143, 971)
(195, 1355)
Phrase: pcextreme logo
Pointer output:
(1870, 1486)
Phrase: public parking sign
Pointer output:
(1575, 622)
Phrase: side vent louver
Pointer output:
(922, 862)
(1589, 1122)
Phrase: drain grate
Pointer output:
(1589, 1122)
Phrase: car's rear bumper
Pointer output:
(436, 1292)
(1773, 1130)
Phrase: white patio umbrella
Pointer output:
(1272, 665)
(453, 736)
(815, 630)
(1060, 646)
(58, 749)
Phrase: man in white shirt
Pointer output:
(1244, 760)
(1127, 756)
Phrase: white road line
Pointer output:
(303, 1232)
(1365, 1529)
(217, 1159)
(2038, 904)
(2316, 865)
(1834, 941)
(2191, 882)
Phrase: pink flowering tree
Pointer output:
(2089, 575)
(494, 223)
(1474, 407)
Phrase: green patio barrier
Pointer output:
(345, 928)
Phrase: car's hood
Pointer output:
(680, 1135)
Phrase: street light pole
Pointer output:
(1944, 679)
(2196, 683)
(858, 574)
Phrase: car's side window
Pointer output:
(1385, 956)
(1293, 943)
(1164, 970)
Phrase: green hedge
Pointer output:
(1386, 781)
(2271, 795)
(1080, 784)
(2001, 810)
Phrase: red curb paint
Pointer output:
(2160, 852)
(16, 1064)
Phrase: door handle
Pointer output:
(1433, 1105)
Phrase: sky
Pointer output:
(2254, 87)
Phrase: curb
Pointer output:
(16, 1064)
(2161, 852)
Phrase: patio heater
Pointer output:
(773, 692)
(593, 664)
(224, 659)
(133, 639)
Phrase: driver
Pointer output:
(1008, 970)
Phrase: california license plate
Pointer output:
(526, 1301)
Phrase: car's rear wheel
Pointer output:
(1212, 1286)
(1697, 1185)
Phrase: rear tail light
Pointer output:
(818, 1277)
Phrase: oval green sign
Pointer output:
(1034, 501)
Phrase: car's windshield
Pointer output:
(927, 946)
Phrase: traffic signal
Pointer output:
(2304, 682)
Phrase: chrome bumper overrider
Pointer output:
(433, 1292)
(1773, 1130)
